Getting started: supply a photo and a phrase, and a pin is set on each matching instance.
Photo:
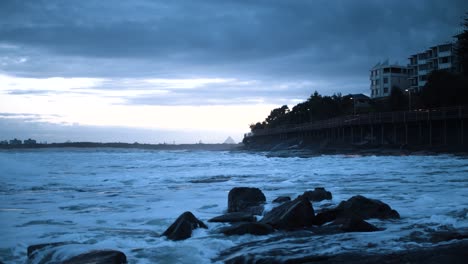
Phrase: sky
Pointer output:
(189, 71)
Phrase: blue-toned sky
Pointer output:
(184, 71)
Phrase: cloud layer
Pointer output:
(166, 54)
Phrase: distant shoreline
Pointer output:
(208, 147)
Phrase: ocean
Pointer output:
(124, 199)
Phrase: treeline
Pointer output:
(316, 107)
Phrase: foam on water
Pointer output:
(124, 199)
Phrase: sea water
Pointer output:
(124, 200)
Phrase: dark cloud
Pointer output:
(274, 41)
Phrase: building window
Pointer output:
(377, 82)
(444, 60)
(385, 80)
(386, 70)
(385, 90)
(445, 48)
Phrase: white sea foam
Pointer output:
(124, 199)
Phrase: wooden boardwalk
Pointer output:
(425, 126)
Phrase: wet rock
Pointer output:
(443, 236)
(34, 248)
(48, 250)
(183, 226)
(234, 217)
(98, 257)
(246, 199)
(295, 214)
(318, 194)
(282, 199)
(451, 253)
(365, 208)
(248, 228)
(354, 224)
(325, 216)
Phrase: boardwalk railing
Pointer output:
(445, 113)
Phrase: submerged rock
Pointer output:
(365, 208)
(48, 250)
(183, 226)
(282, 199)
(234, 217)
(246, 199)
(295, 214)
(34, 248)
(248, 228)
(318, 194)
(98, 257)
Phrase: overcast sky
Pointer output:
(184, 71)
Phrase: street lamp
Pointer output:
(409, 99)
(354, 105)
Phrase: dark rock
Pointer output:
(248, 228)
(365, 208)
(325, 216)
(354, 224)
(318, 194)
(234, 217)
(295, 214)
(183, 226)
(32, 249)
(245, 199)
(443, 236)
(282, 199)
(94, 257)
(98, 257)
(454, 253)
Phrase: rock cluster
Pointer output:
(297, 214)
(243, 204)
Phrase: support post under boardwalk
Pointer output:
(381, 134)
(352, 135)
(394, 134)
(362, 135)
(420, 132)
(445, 132)
(462, 131)
(430, 133)
(372, 133)
(406, 133)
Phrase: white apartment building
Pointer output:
(384, 77)
(440, 57)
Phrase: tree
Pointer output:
(277, 115)
(397, 99)
(462, 47)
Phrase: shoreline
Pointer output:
(84, 145)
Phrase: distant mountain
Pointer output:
(229, 140)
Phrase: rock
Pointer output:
(248, 228)
(98, 257)
(246, 199)
(325, 216)
(318, 194)
(183, 226)
(234, 217)
(282, 199)
(32, 249)
(48, 250)
(295, 214)
(354, 224)
(443, 236)
(365, 208)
